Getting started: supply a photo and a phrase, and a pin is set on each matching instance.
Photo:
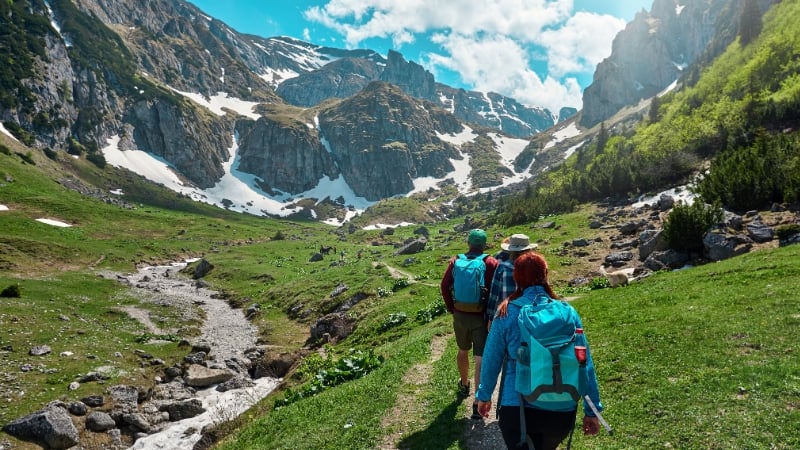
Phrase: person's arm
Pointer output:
(446, 287)
(493, 355)
(592, 388)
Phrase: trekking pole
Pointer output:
(599, 416)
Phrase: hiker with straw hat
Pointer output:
(503, 281)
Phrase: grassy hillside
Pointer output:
(701, 358)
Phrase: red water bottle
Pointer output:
(580, 346)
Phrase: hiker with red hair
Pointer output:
(546, 428)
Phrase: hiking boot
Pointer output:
(475, 414)
(463, 389)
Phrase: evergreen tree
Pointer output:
(749, 22)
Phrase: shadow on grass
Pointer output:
(445, 431)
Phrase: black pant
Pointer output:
(546, 429)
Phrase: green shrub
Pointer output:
(752, 177)
(51, 154)
(97, 159)
(787, 231)
(393, 320)
(431, 311)
(686, 224)
(12, 291)
(599, 283)
(399, 283)
(353, 366)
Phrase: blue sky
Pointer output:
(540, 52)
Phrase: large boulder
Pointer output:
(99, 421)
(665, 260)
(50, 427)
(332, 327)
(184, 409)
(415, 246)
(200, 376)
(651, 241)
(720, 245)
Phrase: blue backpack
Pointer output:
(468, 283)
(547, 369)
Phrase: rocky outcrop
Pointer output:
(408, 146)
(338, 79)
(410, 77)
(179, 134)
(285, 153)
(657, 48)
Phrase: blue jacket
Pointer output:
(503, 340)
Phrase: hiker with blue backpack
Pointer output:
(547, 368)
(465, 287)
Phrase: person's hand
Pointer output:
(591, 425)
(484, 408)
(502, 309)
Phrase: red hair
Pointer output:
(530, 269)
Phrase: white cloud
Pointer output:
(581, 43)
(306, 34)
(478, 37)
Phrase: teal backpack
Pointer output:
(468, 283)
(547, 370)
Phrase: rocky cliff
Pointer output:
(153, 73)
(656, 49)
(410, 147)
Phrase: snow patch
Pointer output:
(222, 101)
(55, 24)
(6, 132)
(565, 133)
(55, 223)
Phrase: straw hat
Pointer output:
(518, 243)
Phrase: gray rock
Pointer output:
(40, 350)
(98, 421)
(413, 247)
(137, 421)
(759, 232)
(93, 401)
(199, 376)
(238, 382)
(183, 409)
(123, 395)
(51, 427)
(651, 241)
(719, 245)
(78, 408)
(666, 260)
(619, 259)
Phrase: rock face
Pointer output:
(409, 147)
(285, 153)
(657, 48)
(124, 70)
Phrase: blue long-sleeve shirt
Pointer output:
(504, 339)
